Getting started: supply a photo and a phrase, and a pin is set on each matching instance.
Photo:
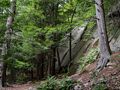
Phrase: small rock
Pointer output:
(30, 88)
(79, 87)
(86, 84)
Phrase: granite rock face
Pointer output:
(77, 33)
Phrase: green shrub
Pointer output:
(100, 86)
(56, 84)
(66, 84)
(21, 78)
(88, 58)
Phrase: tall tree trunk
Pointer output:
(53, 61)
(31, 74)
(13, 75)
(102, 32)
(4, 75)
(70, 36)
(42, 65)
(59, 62)
(50, 59)
(38, 70)
(8, 34)
(70, 46)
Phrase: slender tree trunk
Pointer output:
(102, 32)
(8, 34)
(50, 60)
(70, 36)
(53, 61)
(4, 75)
(70, 46)
(13, 75)
(31, 74)
(38, 71)
(48, 65)
(59, 62)
(39, 63)
(42, 66)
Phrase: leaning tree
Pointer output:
(103, 38)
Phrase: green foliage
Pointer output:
(56, 84)
(40, 24)
(21, 65)
(100, 86)
(21, 78)
(89, 58)
(89, 32)
(4, 3)
(91, 25)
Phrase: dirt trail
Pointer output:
(20, 87)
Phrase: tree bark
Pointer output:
(50, 60)
(40, 66)
(8, 35)
(31, 74)
(70, 46)
(59, 62)
(102, 32)
(4, 75)
(38, 70)
(53, 61)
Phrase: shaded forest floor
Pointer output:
(28, 86)
(110, 75)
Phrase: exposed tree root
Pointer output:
(102, 63)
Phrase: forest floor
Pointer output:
(28, 86)
(110, 75)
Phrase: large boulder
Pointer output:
(77, 33)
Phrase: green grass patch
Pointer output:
(88, 58)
